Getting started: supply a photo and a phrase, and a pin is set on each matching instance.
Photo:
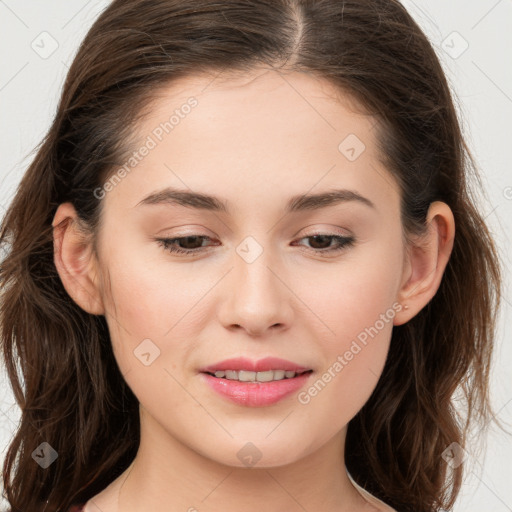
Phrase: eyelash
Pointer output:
(343, 241)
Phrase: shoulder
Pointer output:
(77, 508)
(380, 505)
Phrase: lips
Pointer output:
(262, 365)
(255, 394)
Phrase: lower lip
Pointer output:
(255, 394)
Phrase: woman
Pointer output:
(246, 268)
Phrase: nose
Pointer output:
(257, 297)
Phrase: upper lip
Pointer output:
(262, 365)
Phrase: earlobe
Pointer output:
(75, 260)
(426, 262)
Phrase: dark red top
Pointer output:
(77, 508)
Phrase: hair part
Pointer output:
(73, 395)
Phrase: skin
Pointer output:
(254, 140)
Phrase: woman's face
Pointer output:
(259, 284)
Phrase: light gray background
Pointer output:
(474, 41)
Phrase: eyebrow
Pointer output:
(296, 203)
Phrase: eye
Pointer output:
(321, 243)
(190, 242)
(324, 241)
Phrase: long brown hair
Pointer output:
(59, 358)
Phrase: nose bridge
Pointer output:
(258, 298)
(252, 274)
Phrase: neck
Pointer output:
(168, 475)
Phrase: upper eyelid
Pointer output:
(309, 231)
(307, 235)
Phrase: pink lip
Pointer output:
(263, 365)
(255, 394)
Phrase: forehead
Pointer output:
(261, 136)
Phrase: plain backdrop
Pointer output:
(474, 42)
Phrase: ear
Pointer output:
(425, 262)
(75, 260)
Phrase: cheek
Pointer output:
(350, 295)
(356, 309)
(147, 288)
(352, 360)
(146, 299)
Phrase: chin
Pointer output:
(260, 454)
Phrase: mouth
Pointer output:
(256, 389)
(257, 377)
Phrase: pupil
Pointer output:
(316, 238)
(188, 239)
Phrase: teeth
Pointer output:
(247, 376)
